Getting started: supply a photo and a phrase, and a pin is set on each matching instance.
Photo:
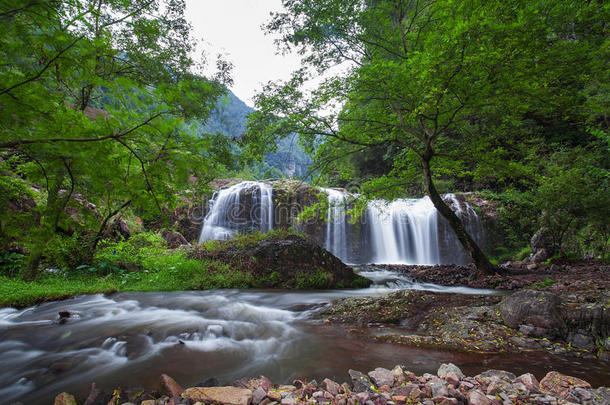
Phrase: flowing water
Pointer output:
(336, 238)
(129, 339)
(246, 206)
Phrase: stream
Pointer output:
(129, 339)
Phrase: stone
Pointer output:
(439, 389)
(360, 381)
(399, 375)
(600, 396)
(277, 396)
(258, 395)
(442, 400)
(221, 395)
(65, 399)
(538, 309)
(415, 393)
(453, 379)
(447, 368)
(362, 397)
(491, 375)
(582, 341)
(476, 397)
(330, 386)
(382, 376)
(559, 385)
(403, 390)
(529, 381)
(170, 387)
(151, 402)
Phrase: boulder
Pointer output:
(330, 386)
(529, 381)
(447, 368)
(220, 395)
(258, 395)
(476, 397)
(559, 385)
(382, 376)
(538, 309)
(589, 396)
(360, 381)
(170, 387)
(174, 239)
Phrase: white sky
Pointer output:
(233, 27)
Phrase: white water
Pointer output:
(336, 236)
(229, 213)
(404, 231)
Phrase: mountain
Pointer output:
(229, 118)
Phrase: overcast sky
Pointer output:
(233, 27)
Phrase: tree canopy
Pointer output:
(440, 90)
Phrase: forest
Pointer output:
(129, 166)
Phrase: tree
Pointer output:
(100, 97)
(426, 80)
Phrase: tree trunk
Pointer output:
(479, 258)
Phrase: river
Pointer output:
(129, 339)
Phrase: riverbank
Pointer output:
(561, 310)
(278, 259)
(378, 387)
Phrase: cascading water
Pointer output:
(403, 231)
(336, 225)
(242, 207)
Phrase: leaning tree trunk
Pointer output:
(472, 248)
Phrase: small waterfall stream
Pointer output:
(245, 206)
(336, 236)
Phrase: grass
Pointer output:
(143, 263)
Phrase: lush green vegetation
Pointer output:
(434, 96)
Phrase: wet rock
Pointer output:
(559, 385)
(538, 309)
(447, 368)
(381, 376)
(476, 397)
(360, 381)
(220, 395)
(529, 381)
(65, 399)
(258, 395)
(331, 386)
(169, 386)
(582, 341)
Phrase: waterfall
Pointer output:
(403, 231)
(336, 236)
(243, 207)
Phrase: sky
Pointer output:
(233, 28)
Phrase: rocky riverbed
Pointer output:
(378, 387)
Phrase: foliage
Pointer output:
(474, 94)
(100, 98)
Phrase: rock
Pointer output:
(258, 395)
(542, 246)
(539, 309)
(174, 239)
(124, 229)
(382, 376)
(277, 396)
(399, 375)
(221, 395)
(582, 341)
(476, 397)
(559, 385)
(170, 387)
(445, 400)
(65, 399)
(529, 381)
(330, 386)
(362, 397)
(415, 393)
(400, 399)
(94, 392)
(447, 368)
(439, 389)
(360, 381)
(600, 396)
(151, 402)
(453, 379)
